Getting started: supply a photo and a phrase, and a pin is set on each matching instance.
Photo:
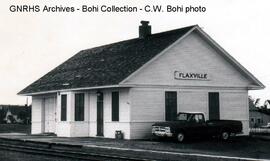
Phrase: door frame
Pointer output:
(168, 105)
(213, 105)
(100, 113)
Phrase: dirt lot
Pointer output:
(15, 128)
(243, 146)
(17, 156)
(247, 147)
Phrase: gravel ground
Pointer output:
(242, 146)
(17, 156)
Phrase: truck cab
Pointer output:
(193, 124)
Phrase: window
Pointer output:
(63, 107)
(252, 119)
(213, 106)
(170, 105)
(79, 107)
(115, 106)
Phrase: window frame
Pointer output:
(79, 107)
(115, 110)
(63, 117)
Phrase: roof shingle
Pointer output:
(105, 65)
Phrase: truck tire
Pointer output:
(180, 137)
(225, 135)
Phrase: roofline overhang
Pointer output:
(233, 61)
(255, 87)
(214, 87)
(70, 89)
(136, 85)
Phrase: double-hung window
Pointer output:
(79, 107)
(115, 106)
(64, 107)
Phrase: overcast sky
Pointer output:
(34, 43)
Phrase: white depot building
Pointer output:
(131, 84)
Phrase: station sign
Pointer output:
(190, 76)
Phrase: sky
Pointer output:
(32, 44)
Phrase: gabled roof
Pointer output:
(105, 65)
(111, 65)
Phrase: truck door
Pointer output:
(197, 127)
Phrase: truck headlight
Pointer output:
(167, 129)
(153, 129)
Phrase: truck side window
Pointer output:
(198, 118)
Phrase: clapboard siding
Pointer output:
(36, 126)
(192, 54)
(193, 101)
(140, 130)
(38, 117)
(124, 115)
(79, 129)
(93, 113)
(147, 104)
(63, 129)
(234, 106)
(110, 126)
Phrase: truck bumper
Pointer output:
(162, 134)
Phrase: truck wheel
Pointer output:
(180, 137)
(225, 135)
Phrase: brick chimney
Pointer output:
(144, 30)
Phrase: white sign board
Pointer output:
(190, 75)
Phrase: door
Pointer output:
(197, 126)
(100, 114)
(50, 114)
(213, 101)
(170, 105)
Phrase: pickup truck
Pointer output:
(190, 124)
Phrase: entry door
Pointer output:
(213, 101)
(50, 114)
(100, 114)
(170, 105)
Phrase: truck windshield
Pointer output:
(190, 117)
(183, 116)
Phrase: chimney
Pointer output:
(144, 30)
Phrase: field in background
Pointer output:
(15, 128)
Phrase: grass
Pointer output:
(15, 128)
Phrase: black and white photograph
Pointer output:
(118, 80)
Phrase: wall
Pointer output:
(192, 54)
(148, 106)
(234, 106)
(255, 115)
(70, 127)
(37, 104)
(111, 126)
(38, 112)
